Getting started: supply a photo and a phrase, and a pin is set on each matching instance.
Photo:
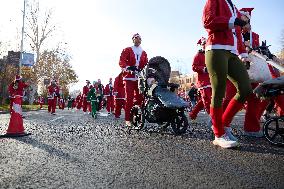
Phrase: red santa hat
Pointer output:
(136, 35)
(18, 77)
(246, 12)
(201, 41)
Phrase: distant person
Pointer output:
(53, 94)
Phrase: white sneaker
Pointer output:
(225, 142)
(128, 123)
(228, 131)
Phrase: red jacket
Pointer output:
(108, 91)
(119, 89)
(17, 90)
(86, 89)
(79, 99)
(128, 58)
(53, 91)
(199, 66)
(40, 100)
(218, 20)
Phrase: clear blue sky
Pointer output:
(97, 30)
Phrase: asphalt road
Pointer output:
(72, 150)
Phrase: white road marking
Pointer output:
(57, 118)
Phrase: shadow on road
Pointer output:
(48, 148)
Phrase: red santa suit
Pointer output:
(108, 94)
(61, 103)
(132, 56)
(119, 93)
(79, 101)
(15, 89)
(40, 101)
(86, 105)
(203, 84)
(53, 93)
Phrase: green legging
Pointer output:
(220, 65)
(94, 105)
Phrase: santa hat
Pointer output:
(201, 41)
(18, 77)
(246, 12)
(136, 35)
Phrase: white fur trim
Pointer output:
(230, 48)
(204, 87)
(119, 98)
(130, 79)
(232, 22)
(137, 53)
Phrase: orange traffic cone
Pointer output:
(16, 127)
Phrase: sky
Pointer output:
(96, 31)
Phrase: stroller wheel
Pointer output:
(137, 118)
(273, 130)
(179, 124)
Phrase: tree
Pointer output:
(56, 65)
(39, 29)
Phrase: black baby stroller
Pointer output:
(160, 104)
(273, 128)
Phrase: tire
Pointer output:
(137, 118)
(273, 130)
(180, 123)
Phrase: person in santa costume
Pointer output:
(108, 94)
(86, 89)
(69, 102)
(203, 81)
(119, 93)
(92, 97)
(79, 101)
(61, 103)
(16, 88)
(100, 91)
(53, 94)
(251, 40)
(224, 57)
(132, 59)
(40, 101)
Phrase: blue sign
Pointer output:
(28, 59)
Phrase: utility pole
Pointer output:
(22, 41)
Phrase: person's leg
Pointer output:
(108, 104)
(217, 66)
(197, 108)
(230, 93)
(206, 98)
(238, 75)
(84, 104)
(49, 105)
(251, 123)
(129, 94)
(279, 101)
(118, 107)
(138, 98)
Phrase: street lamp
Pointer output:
(22, 41)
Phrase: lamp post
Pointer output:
(22, 41)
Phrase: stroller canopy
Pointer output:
(159, 68)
